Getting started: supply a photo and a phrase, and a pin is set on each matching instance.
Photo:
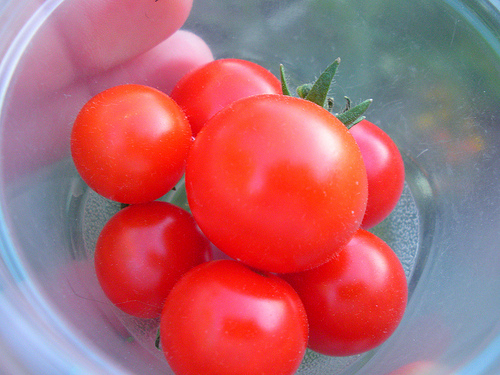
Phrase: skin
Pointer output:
(87, 37)
(75, 55)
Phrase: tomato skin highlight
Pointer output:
(222, 318)
(384, 168)
(206, 90)
(130, 142)
(355, 301)
(141, 253)
(276, 182)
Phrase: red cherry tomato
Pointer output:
(384, 168)
(422, 367)
(142, 251)
(276, 182)
(130, 142)
(355, 301)
(222, 318)
(209, 88)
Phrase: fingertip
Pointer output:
(172, 59)
(162, 66)
(103, 34)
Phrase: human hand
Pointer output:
(84, 47)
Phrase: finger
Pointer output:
(160, 67)
(101, 34)
(32, 124)
(86, 37)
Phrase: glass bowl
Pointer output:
(433, 70)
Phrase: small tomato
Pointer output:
(222, 318)
(142, 251)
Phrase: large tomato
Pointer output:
(142, 251)
(130, 142)
(222, 318)
(384, 168)
(206, 90)
(355, 301)
(276, 182)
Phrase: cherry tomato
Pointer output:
(222, 318)
(423, 367)
(142, 251)
(384, 168)
(355, 301)
(276, 182)
(206, 90)
(129, 143)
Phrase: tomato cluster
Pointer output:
(279, 184)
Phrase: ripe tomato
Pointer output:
(206, 90)
(222, 318)
(142, 251)
(355, 301)
(276, 182)
(384, 168)
(423, 367)
(129, 143)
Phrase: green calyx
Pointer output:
(317, 92)
(158, 340)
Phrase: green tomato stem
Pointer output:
(158, 340)
(354, 115)
(320, 88)
(318, 93)
(284, 83)
(304, 90)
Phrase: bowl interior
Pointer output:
(433, 70)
